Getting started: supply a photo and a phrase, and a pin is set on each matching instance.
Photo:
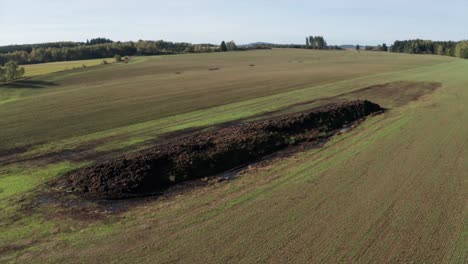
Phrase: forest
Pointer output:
(91, 49)
(419, 46)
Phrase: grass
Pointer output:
(391, 190)
(97, 99)
(17, 184)
(17, 180)
(51, 67)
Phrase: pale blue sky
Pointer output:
(201, 21)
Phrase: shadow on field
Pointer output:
(27, 84)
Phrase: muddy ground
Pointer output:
(211, 152)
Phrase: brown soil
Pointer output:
(211, 152)
(395, 93)
(399, 93)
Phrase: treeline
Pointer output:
(62, 44)
(419, 46)
(204, 48)
(29, 47)
(98, 41)
(312, 42)
(283, 46)
(64, 51)
(102, 48)
(382, 47)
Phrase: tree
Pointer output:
(439, 49)
(316, 42)
(2, 74)
(384, 47)
(11, 71)
(223, 46)
(358, 47)
(190, 49)
(231, 45)
(118, 58)
(461, 50)
(98, 41)
(320, 42)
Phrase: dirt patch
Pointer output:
(389, 94)
(211, 152)
(83, 152)
(5, 249)
(399, 93)
(27, 84)
(6, 155)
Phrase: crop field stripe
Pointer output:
(85, 96)
(224, 113)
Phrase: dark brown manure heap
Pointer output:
(211, 152)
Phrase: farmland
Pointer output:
(392, 189)
(46, 68)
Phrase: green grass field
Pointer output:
(51, 67)
(392, 190)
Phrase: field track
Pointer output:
(392, 190)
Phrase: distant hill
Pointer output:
(257, 44)
(348, 46)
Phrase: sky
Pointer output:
(362, 22)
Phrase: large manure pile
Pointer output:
(211, 152)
